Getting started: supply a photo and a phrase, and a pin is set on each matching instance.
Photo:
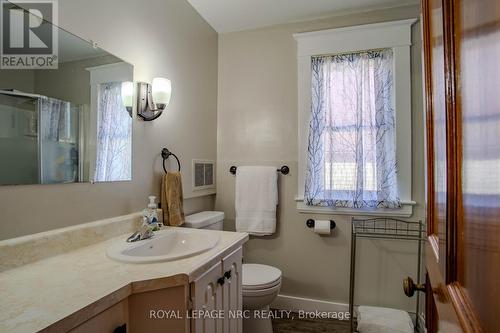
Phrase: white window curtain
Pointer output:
(114, 136)
(55, 115)
(58, 141)
(352, 133)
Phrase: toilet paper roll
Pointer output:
(322, 227)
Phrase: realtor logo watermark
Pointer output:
(29, 34)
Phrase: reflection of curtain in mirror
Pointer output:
(59, 138)
(114, 136)
(54, 120)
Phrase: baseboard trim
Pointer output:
(293, 303)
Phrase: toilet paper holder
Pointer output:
(310, 223)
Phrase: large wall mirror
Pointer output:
(67, 124)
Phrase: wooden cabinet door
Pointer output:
(206, 296)
(232, 292)
(462, 80)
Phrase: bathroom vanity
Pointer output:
(93, 293)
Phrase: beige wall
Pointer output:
(257, 124)
(20, 80)
(160, 38)
(71, 81)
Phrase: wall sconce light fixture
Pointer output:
(128, 96)
(153, 98)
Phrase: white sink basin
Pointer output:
(165, 245)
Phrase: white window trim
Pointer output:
(395, 35)
(115, 72)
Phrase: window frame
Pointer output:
(393, 34)
(115, 72)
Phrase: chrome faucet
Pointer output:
(145, 232)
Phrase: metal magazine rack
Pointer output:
(383, 228)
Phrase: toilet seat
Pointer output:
(262, 286)
(261, 292)
(260, 277)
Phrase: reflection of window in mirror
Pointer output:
(48, 118)
(111, 153)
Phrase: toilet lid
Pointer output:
(203, 219)
(260, 276)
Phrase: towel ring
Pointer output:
(165, 154)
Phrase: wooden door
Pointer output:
(232, 292)
(462, 92)
(206, 295)
(478, 58)
(439, 220)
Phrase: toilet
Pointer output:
(260, 283)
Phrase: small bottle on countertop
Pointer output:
(159, 214)
(150, 214)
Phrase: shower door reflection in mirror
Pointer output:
(68, 124)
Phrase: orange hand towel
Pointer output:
(171, 199)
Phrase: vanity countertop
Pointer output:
(46, 293)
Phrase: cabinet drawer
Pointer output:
(106, 321)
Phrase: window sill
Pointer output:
(200, 193)
(405, 211)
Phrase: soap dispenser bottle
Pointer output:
(151, 214)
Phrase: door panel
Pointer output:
(436, 140)
(440, 310)
(441, 163)
(462, 76)
(478, 54)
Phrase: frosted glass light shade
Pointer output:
(162, 90)
(127, 93)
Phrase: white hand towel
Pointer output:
(372, 319)
(256, 199)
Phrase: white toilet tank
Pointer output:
(205, 220)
